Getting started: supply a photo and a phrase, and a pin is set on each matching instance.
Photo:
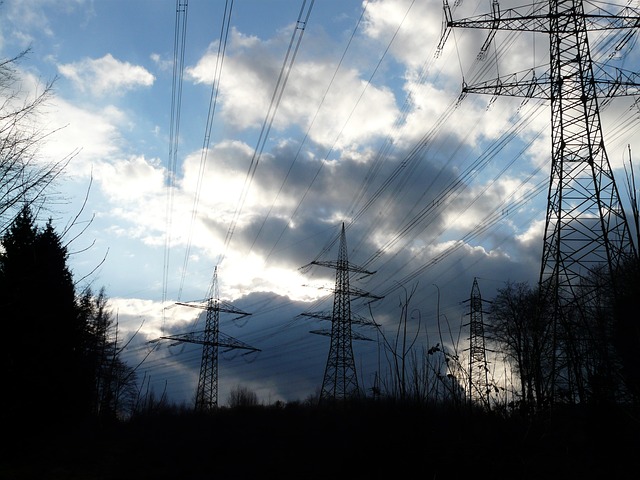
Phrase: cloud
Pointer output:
(407, 27)
(164, 64)
(350, 112)
(95, 133)
(130, 179)
(106, 75)
(284, 224)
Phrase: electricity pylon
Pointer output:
(211, 339)
(586, 227)
(478, 370)
(340, 380)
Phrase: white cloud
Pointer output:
(533, 233)
(133, 312)
(94, 134)
(248, 83)
(164, 64)
(419, 28)
(131, 179)
(106, 75)
(24, 17)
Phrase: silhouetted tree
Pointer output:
(114, 382)
(587, 340)
(598, 338)
(626, 336)
(521, 326)
(242, 397)
(44, 356)
(24, 176)
(626, 328)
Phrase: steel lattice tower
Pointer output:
(211, 339)
(586, 228)
(478, 371)
(340, 380)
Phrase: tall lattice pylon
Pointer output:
(211, 339)
(586, 227)
(478, 369)
(340, 380)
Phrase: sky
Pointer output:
(239, 137)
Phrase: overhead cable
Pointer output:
(292, 50)
(180, 34)
(215, 88)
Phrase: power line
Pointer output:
(285, 71)
(180, 34)
(306, 135)
(215, 88)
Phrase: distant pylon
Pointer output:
(340, 380)
(586, 227)
(478, 370)
(211, 339)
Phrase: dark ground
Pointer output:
(353, 442)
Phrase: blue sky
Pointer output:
(433, 194)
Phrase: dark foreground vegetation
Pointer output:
(366, 440)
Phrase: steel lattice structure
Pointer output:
(211, 339)
(586, 227)
(478, 371)
(340, 380)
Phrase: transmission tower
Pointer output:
(478, 371)
(586, 228)
(340, 379)
(211, 339)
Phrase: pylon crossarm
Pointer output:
(197, 338)
(520, 84)
(356, 292)
(359, 336)
(319, 315)
(355, 318)
(529, 18)
(230, 342)
(354, 335)
(190, 337)
(324, 332)
(338, 265)
(227, 307)
(629, 17)
(360, 320)
(536, 19)
(621, 83)
(200, 305)
(221, 306)
(527, 85)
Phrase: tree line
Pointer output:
(586, 354)
(60, 354)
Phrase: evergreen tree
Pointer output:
(43, 359)
(114, 383)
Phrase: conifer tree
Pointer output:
(43, 358)
(114, 383)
